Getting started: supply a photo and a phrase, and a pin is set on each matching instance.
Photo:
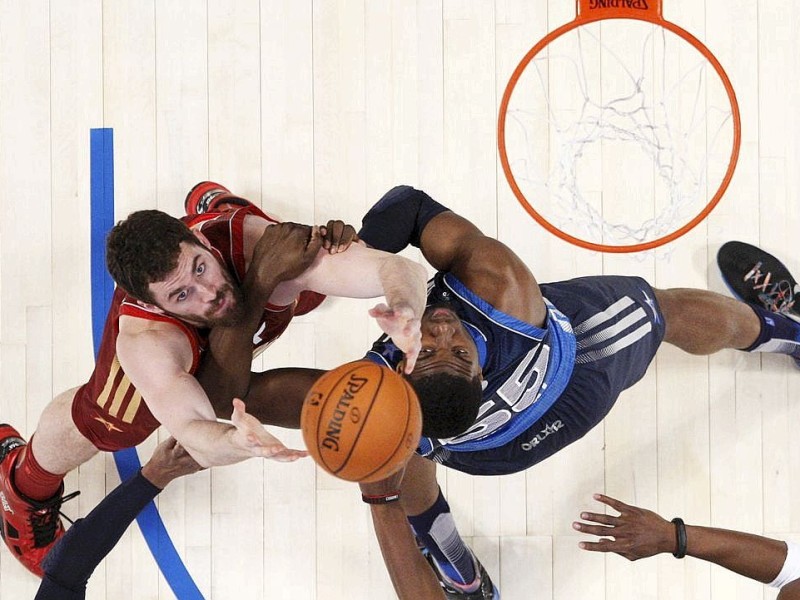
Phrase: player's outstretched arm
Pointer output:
(169, 461)
(251, 436)
(158, 360)
(276, 395)
(368, 273)
(71, 562)
(451, 243)
(411, 575)
(639, 533)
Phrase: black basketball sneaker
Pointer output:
(757, 277)
(486, 589)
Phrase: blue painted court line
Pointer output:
(102, 220)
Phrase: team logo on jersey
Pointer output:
(652, 304)
(257, 339)
(549, 430)
(6, 505)
(108, 425)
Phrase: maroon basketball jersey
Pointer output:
(108, 409)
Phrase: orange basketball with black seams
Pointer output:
(361, 421)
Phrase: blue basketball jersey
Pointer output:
(525, 368)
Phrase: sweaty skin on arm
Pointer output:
(276, 396)
(157, 358)
(277, 252)
(357, 272)
(410, 573)
(361, 273)
(450, 243)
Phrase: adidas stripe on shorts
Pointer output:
(618, 328)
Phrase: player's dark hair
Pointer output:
(450, 404)
(143, 249)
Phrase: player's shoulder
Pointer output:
(255, 224)
(149, 343)
(141, 329)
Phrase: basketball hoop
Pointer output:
(619, 85)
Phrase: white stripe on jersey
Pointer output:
(601, 317)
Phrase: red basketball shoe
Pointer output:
(207, 196)
(28, 527)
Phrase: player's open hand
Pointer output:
(636, 533)
(337, 236)
(403, 325)
(251, 436)
(284, 251)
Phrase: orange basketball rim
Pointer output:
(590, 11)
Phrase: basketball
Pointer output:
(361, 421)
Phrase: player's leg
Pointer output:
(702, 322)
(419, 488)
(57, 444)
(459, 571)
(31, 481)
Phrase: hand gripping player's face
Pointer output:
(447, 347)
(200, 290)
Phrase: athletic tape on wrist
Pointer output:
(791, 566)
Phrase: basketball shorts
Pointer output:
(618, 328)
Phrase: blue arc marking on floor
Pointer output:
(102, 220)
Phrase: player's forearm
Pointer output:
(276, 395)
(225, 370)
(750, 555)
(211, 444)
(404, 283)
(411, 575)
(89, 540)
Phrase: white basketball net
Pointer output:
(619, 132)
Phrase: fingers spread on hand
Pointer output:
(612, 502)
(598, 530)
(600, 546)
(600, 518)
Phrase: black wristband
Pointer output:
(381, 499)
(680, 538)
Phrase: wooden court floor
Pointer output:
(313, 110)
